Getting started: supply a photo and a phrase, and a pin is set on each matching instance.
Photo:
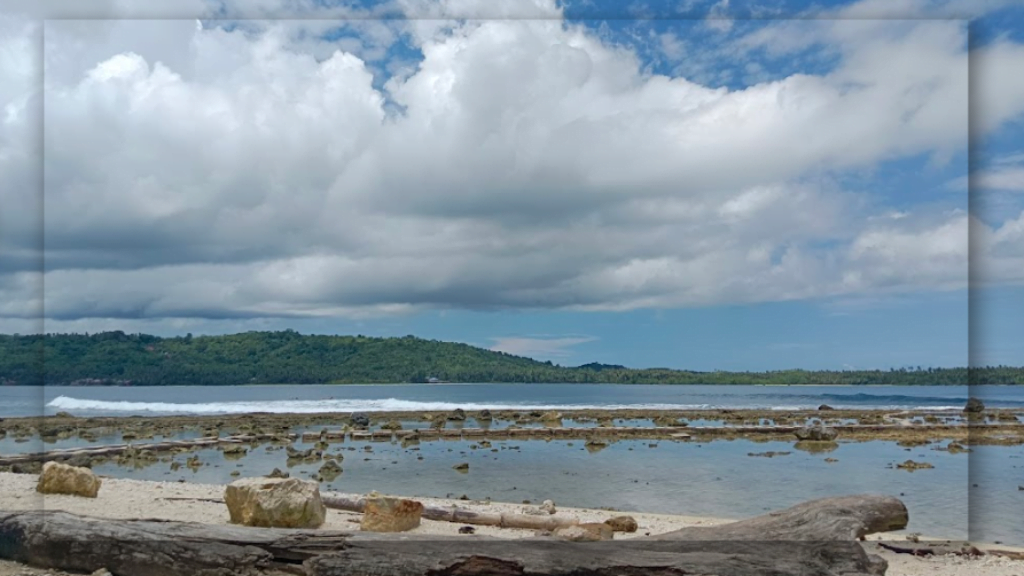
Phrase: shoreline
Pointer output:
(190, 502)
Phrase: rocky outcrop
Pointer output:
(360, 420)
(622, 524)
(330, 470)
(458, 414)
(974, 406)
(386, 514)
(586, 532)
(275, 503)
(815, 447)
(668, 421)
(57, 478)
(817, 433)
(33, 467)
(79, 461)
(551, 417)
(769, 454)
(956, 448)
(236, 450)
(912, 465)
(310, 454)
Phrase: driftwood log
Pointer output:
(351, 503)
(637, 557)
(844, 518)
(933, 548)
(754, 547)
(460, 515)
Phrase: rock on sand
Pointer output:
(275, 502)
(57, 478)
(386, 514)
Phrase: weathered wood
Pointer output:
(828, 519)
(459, 515)
(636, 557)
(65, 541)
(932, 548)
(156, 548)
(1011, 554)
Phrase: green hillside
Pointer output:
(291, 358)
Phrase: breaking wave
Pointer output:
(332, 405)
(83, 405)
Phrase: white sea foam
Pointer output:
(331, 405)
(72, 404)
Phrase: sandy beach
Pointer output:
(195, 501)
(187, 502)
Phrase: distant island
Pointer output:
(287, 357)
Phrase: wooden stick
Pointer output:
(352, 503)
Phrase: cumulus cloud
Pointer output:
(197, 171)
(1005, 178)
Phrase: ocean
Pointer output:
(971, 495)
(166, 400)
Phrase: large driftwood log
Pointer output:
(460, 515)
(843, 518)
(775, 544)
(154, 548)
(157, 548)
(637, 557)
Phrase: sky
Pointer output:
(708, 185)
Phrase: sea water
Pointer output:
(965, 495)
(164, 400)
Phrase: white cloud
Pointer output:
(1003, 249)
(1009, 179)
(883, 256)
(206, 173)
(670, 45)
(1000, 86)
(718, 17)
(1002, 174)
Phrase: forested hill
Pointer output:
(289, 357)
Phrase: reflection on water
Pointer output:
(704, 479)
(813, 447)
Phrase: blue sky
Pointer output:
(705, 184)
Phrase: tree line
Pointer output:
(287, 357)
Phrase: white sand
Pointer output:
(128, 499)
